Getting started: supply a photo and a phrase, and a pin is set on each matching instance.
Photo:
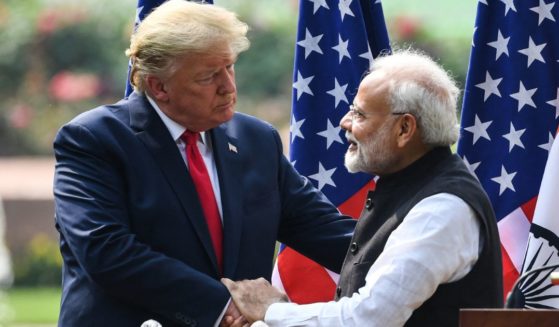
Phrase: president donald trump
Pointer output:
(163, 193)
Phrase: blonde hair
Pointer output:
(419, 86)
(178, 28)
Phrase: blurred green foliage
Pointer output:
(445, 33)
(40, 265)
(57, 58)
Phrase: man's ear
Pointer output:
(156, 88)
(407, 129)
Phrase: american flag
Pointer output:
(510, 113)
(143, 8)
(336, 43)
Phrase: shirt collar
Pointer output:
(175, 129)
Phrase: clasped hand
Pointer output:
(251, 299)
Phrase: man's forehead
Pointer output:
(205, 61)
(375, 82)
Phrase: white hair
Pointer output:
(419, 86)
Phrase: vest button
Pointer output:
(353, 248)
(369, 204)
(338, 291)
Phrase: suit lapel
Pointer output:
(155, 136)
(227, 158)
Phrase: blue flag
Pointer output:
(335, 46)
(510, 113)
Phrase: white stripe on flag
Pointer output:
(335, 277)
(276, 278)
(513, 231)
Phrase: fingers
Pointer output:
(240, 322)
(226, 321)
(253, 297)
(232, 316)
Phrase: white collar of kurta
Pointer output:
(175, 129)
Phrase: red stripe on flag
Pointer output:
(298, 273)
(529, 208)
(353, 206)
(510, 274)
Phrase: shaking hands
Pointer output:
(251, 299)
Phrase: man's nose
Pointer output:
(345, 122)
(227, 84)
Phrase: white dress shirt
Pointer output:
(205, 147)
(438, 242)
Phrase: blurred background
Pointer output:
(59, 58)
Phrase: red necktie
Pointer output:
(203, 185)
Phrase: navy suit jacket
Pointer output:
(132, 234)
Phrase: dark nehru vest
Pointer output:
(439, 171)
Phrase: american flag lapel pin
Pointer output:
(232, 148)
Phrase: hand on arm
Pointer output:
(253, 297)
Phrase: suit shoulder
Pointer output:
(255, 131)
(101, 113)
(104, 120)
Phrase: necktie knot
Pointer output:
(190, 137)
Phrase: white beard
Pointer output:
(372, 156)
(354, 160)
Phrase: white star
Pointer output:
(509, 4)
(302, 85)
(533, 51)
(343, 5)
(332, 134)
(474, 37)
(341, 48)
(501, 45)
(323, 176)
(471, 166)
(138, 13)
(547, 146)
(524, 96)
(310, 43)
(490, 86)
(295, 128)
(504, 181)
(514, 137)
(483, 1)
(544, 11)
(368, 55)
(479, 129)
(338, 92)
(555, 103)
(319, 3)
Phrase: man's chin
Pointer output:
(226, 115)
(352, 163)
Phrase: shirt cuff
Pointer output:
(282, 314)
